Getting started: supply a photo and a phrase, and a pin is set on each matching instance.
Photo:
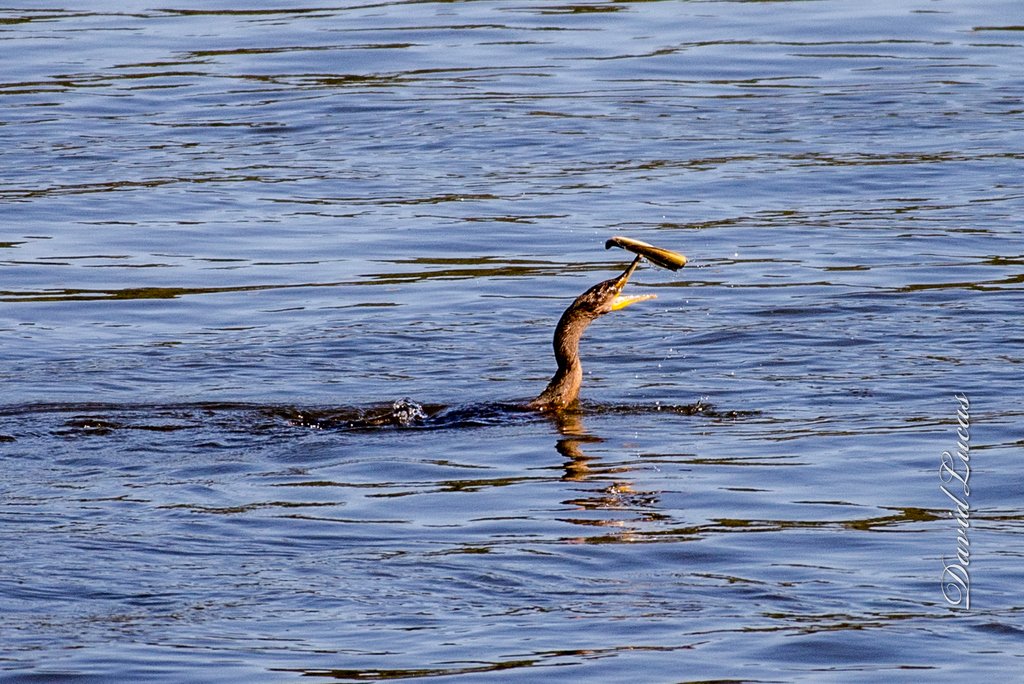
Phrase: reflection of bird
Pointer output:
(603, 298)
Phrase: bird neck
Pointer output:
(564, 388)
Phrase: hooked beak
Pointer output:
(621, 301)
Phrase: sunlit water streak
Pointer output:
(231, 239)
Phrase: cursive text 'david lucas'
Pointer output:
(955, 472)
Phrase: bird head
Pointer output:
(607, 296)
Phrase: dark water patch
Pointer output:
(385, 675)
(998, 28)
(246, 12)
(897, 522)
(135, 293)
(701, 408)
(106, 419)
(16, 194)
(582, 9)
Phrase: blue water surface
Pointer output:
(275, 281)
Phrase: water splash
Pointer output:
(406, 412)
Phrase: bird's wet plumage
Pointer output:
(564, 388)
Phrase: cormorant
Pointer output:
(601, 299)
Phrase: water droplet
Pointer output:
(406, 411)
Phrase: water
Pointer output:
(233, 239)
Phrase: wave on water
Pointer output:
(84, 419)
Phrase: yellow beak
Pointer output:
(622, 301)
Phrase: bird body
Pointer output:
(564, 388)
